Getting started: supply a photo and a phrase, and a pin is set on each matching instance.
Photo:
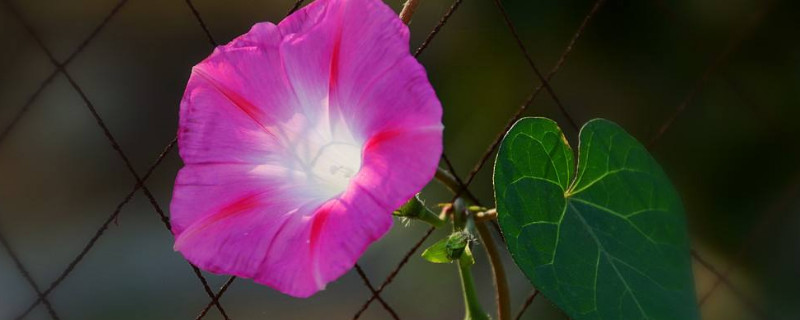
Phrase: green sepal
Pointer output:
(450, 249)
(416, 209)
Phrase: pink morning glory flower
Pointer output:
(299, 140)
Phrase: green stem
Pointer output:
(473, 306)
(500, 281)
(431, 218)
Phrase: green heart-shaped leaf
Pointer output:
(610, 243)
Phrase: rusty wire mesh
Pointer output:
(721, 274)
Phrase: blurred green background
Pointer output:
(733, 153)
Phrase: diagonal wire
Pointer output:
(528, 58)
(202, 23)
(207, 31)
(775, 211)
(219, 294)
(733, 43)
(107, 132)
(563, 58)
(17, 117)
(94, 32)
(394, 272)
(372, 289)
(741, 296)
(527, 304)
(99, 232)
(728, 80)
(21, 268)
(772, 124)
(358, 269)
(438, 27)
(295, 7)
(209, 292)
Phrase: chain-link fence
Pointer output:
(713, 74)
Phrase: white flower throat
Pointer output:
(334, 164)
(326, 151)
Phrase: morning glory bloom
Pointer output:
(299, 140)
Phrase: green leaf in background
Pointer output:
(609, 243)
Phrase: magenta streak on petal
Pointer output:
(239, 206)
(317, 223)
(240, 102)
(334, 74)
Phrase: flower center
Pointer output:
(324, 150)
(334, 164)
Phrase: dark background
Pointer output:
(732, 152)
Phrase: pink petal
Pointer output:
(299, 141)
(228, 101)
